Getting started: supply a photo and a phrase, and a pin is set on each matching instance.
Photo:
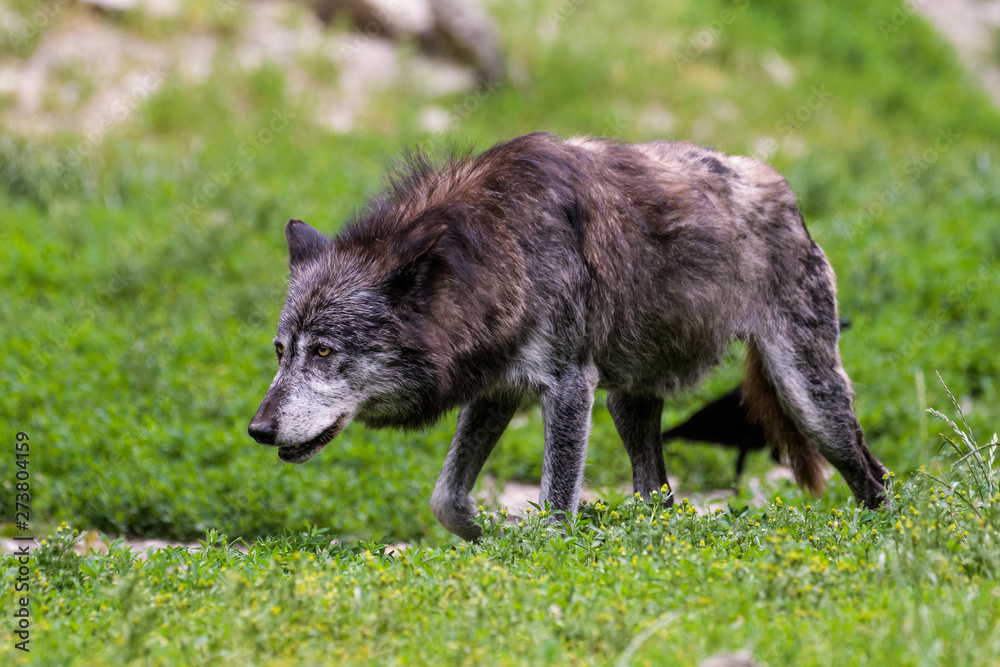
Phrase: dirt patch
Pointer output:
(516, 497)
(88, 73)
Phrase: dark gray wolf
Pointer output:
(550, 268)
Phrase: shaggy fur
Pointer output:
(549, 268)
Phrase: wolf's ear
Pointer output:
(304, 243)
(409, 284)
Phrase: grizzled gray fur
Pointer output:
(550, 268)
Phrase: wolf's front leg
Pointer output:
(567, 407)
(480, 424)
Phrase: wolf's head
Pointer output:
(343, 345)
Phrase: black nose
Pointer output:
(263, 431)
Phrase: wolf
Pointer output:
(545, 269)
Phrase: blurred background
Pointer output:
(150, 152)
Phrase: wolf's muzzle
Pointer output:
(303, 452)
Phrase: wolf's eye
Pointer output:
(323, 351)
(280, 349)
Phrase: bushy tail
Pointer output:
(760, 398)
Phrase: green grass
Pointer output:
(143, 277)
(146, 272)
(626, 583)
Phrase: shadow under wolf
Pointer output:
(546, 268)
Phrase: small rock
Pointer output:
(655, 119)
(778, 69)
(738, 659)
(112, 5)
(385, 18)
(436, 77)
(466, 32)
(435, 120)
(457, 29)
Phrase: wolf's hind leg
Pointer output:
(797, 389)
(567, 409)
(480, 425)
(637, 419)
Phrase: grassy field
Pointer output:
(142, 285)
(794, 583)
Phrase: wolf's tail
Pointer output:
(764, 407)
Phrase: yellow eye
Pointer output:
(279, 348)
(323, 351)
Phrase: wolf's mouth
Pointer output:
(305, 451)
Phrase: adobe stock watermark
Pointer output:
(248, 149)
(87, 309)
(377, 27)
(900, 16)
(21, 485)
(41, 18)
(223, 8)
(928, 328)
(912, 168)
(118, 112)
(466, 106)
(706, 37)
(562, 11)
(249, 325)
(817, 99)
(614, 126)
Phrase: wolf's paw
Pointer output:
(456, 514)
